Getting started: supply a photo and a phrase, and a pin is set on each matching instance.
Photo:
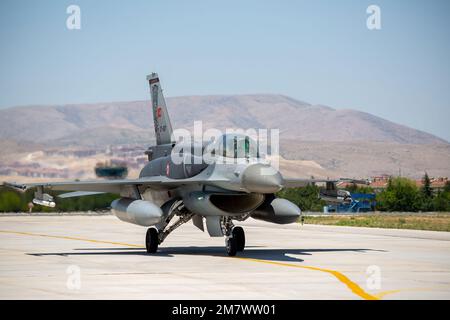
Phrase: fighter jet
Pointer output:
(214, 193)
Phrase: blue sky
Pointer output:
(316, 51)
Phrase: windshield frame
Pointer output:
(238, 146)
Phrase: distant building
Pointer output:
(436, 184)
(381, 182)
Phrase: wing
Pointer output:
(111, 186)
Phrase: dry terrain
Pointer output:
(65, 141)
(439, 221)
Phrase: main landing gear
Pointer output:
(235, 241)
(156, 235)
(234, 235)
(151, 240)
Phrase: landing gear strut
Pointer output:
(235, 241)
(156, 235)
(151, 240)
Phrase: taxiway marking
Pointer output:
(71, 238)
(355, 288)
(380, 295)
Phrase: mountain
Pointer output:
(119, 122)
(324, 141)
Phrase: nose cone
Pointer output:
(262, 178)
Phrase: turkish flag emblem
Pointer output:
(159, 112)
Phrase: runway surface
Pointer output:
(100, 257)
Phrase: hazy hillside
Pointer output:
(319, 140)
(367, 159)
(122, 121)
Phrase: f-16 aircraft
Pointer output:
(170, 193)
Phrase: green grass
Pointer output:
(434, 222)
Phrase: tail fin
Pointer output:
(163, 128)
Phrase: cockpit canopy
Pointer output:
(237, 146)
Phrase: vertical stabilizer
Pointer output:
(163, 127)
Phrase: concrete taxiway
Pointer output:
(100, 257)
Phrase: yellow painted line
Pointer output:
(355, 288)
(381, 295)
(71, 238)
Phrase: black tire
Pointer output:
(231, 246)
(151, 240)
(239, 235)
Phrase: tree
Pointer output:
(442, 201)
(401, 194)
(306, 198)
(426, 195)
(355, 188)
(426, 188)
(10, 202)
(447, 186)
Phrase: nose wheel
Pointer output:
(235, 242)
(151, 240)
